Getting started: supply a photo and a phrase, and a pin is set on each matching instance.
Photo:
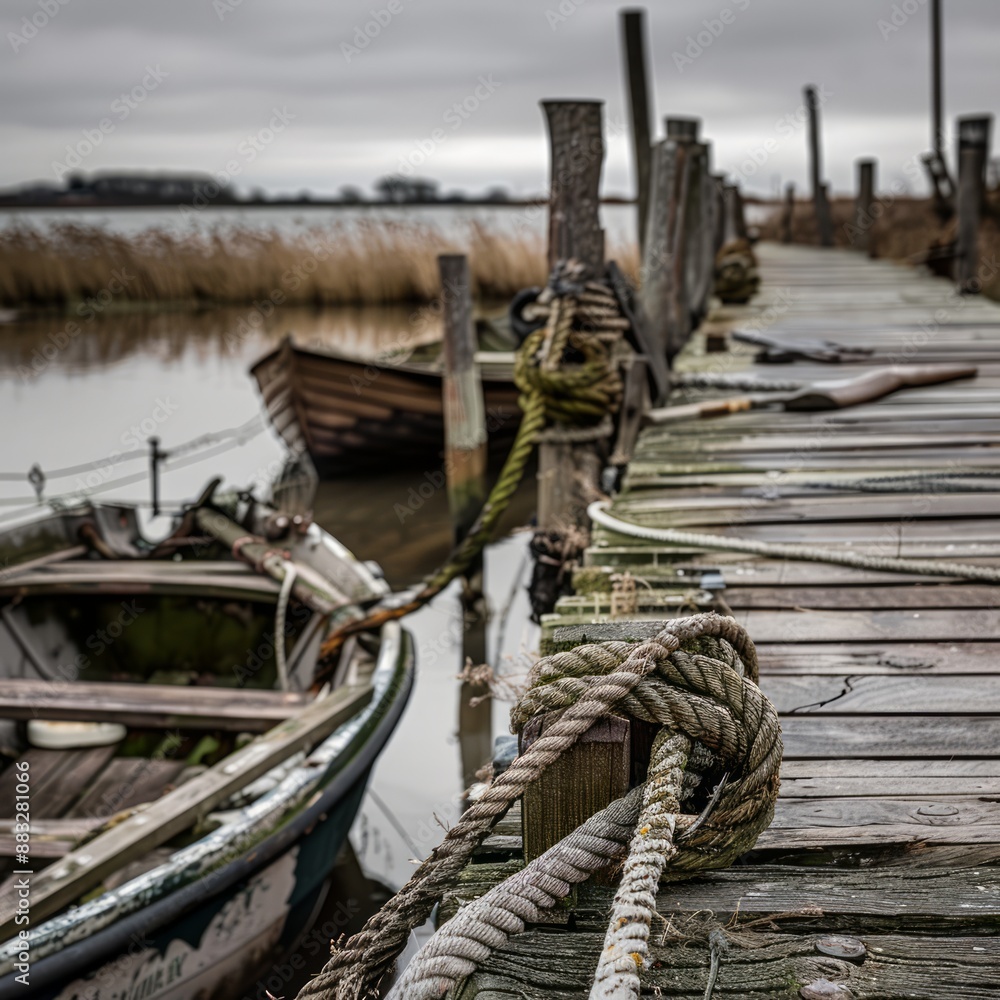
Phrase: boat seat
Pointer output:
(150, 706)
(216, 579)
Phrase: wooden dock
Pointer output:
(879, 876)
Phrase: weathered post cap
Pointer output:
(974, 131)
(683, 128)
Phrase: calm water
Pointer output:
(179, 375)
(618, 220)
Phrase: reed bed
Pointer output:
(360, 263)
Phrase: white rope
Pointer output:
(597, 512)
(279, 622)
(626, 943)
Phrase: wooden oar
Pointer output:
(829, 394)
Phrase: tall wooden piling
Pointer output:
(937, 86)
(464, 410)
(788, 214)
(576, 144)
(719, 212)
(705, 265)
(691, 295)
(973, 153)
(633, 24)
(730, 213)
(658, 294)
(863, 206)
(465, 473)
(824, 223)
(570, 464)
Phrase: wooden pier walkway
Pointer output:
(879, 876)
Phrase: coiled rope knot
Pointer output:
(568, 362)
(716, 728)
(697, 679)
(704, 690)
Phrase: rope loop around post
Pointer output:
(567, 378)
(697, 679)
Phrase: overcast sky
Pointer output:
(203, 78)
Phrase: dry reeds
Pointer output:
(367, 262)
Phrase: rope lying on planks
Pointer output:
(778, 550)
(718, 380)
(697, 679)
(916, 482)
(566, 376)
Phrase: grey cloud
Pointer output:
(356, 116)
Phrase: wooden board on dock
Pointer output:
(887, 828)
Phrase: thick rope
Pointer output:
(626, 943)
(576, 394)
(279, 623)
(718, 708)
(486, 924)
(597, 512)
(982, 481)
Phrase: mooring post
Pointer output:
(937, 88)
(705, 267)
(464, 411)
(741, 214)
(657, 292)
(730, 213)
(570, 465)
(695, 218)
(576, 143)
(719, 213)
(973, 153)
(633, 24)
(973, 141)
(822, 206)
(863, 218)
(788, 214)
(465, 474)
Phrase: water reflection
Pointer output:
(75, 341)
(102, 388)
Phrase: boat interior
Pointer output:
(104, 638)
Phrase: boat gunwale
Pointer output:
(172, 887)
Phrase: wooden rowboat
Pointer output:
(172, 794)
(350, 414)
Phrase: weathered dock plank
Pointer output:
(887, 684)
